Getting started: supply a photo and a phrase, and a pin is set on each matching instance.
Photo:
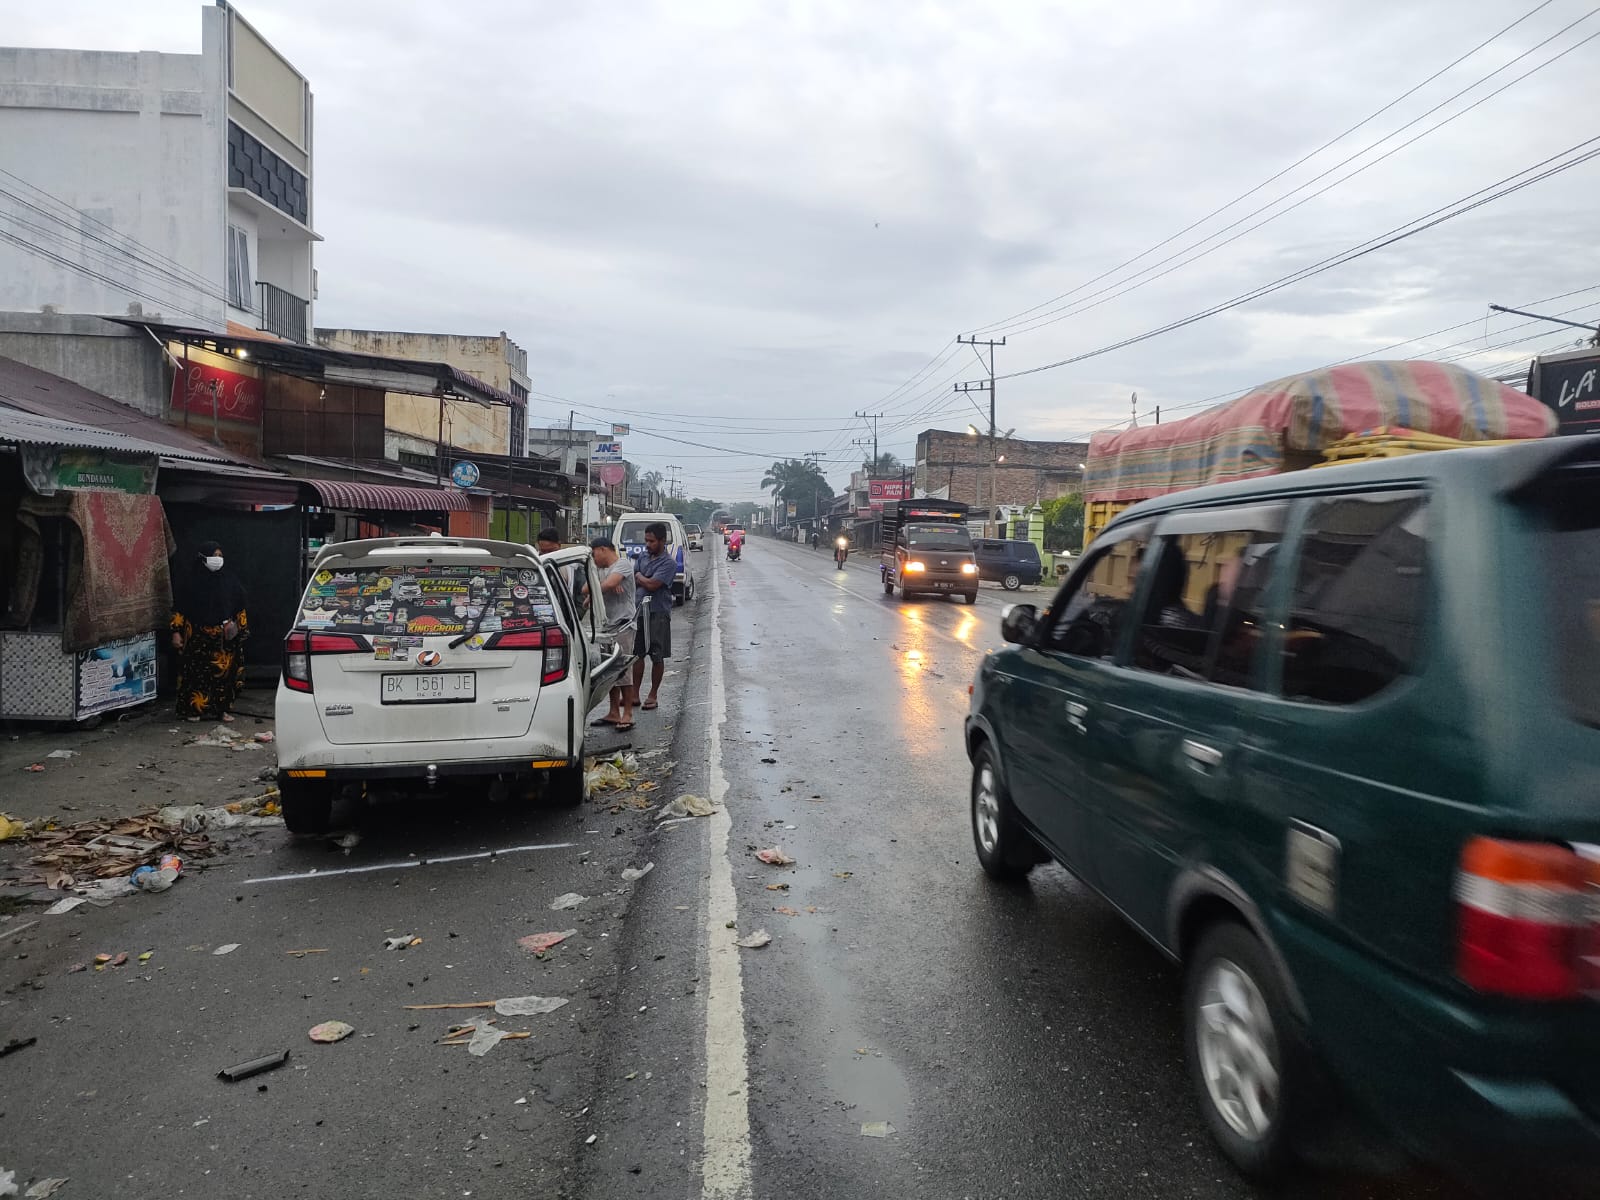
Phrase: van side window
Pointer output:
(1203, 618)
(1087, 616)
(1355, 615)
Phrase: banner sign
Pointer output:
(605, 452)
(1571, 386)
(237, 397)
(117, 674)
(49, 469)
(792, 508)
(886, 491)
(621, 431)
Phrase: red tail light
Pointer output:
(300, 645)
(1527, 923)
(551, 640)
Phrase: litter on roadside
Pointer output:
(227, 948)
(687, 806)
(331, 1031)
(255, 1066)
(303, 953)
(484, 1039)
(528, 1006)
(44, 1189)
(16, 1044)
(34, 768)
(64, 906)
(540, 942)
(62, 754)
(777, 887)
(567, 900)
(629, 874)
(787, 911)
(756, 940)
(775, 857)
(402, 942)
(876, 1129)
(10, 828)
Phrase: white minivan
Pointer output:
(629, 538)
(419, 659)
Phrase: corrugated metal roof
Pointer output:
(30, 429)
(377, 497)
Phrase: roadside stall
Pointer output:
(84, 577)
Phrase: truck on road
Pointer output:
(927, 549)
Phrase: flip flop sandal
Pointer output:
(649, 706)
(623, 726)
(600, 722)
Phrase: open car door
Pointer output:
(604, 653)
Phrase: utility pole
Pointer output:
(873, 419)
(994, 468)
(672, 480)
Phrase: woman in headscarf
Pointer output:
(209, 628)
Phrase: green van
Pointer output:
(1331, 740)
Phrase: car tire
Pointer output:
(972, 597)
(1005, 850)
(1011, 583)
(307, 804)
(1246, 1060)
(888, 588)
(565, 787)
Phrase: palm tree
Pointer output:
(651, 482)
(885, 466)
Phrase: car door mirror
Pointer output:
(1019, 623)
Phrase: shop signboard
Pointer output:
(197, 386)
(117, 674)
(1570, 384)
(886, 491)
(52, 469)
(605, 452)
(465, 474)
(621, 431)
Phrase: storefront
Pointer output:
(85, 584)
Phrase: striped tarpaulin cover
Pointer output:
(1291, 421)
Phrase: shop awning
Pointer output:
(378, 497)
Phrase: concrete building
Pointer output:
(171, 186)
(957, 466)
(413, 423)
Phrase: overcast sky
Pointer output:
(738, 223)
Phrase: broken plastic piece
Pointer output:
(567, 900)
(484, 1039)
(254, 1067)
(64, 906)
(687, 806)
(775, 857)
(528, 1006)
(44, 1189)
(877, 1129)
(331, 1031)
(756, 940)
(540, 942)
(629, 874)
(402, 942)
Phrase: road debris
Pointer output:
(541, 942)
(347, 841)
(62, 754)
(16, 1044)
(756, 940)
(44, 1189)
(777, 887)
(331, 1031)
(255, 1066)
(843, 874)
(687, 805)
(303, 953)
(121, 960)
(64, 906)
(567, 900)
(528, 1006)
(10, 828)
(775, 857)
(227, 948)
(34, 768)
(8, 1182)
(876, 1129)
(484, 1039)
(630, 874)
(404, 941)
(787, 911)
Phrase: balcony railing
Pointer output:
(281, 312)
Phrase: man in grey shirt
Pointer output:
(655, 573)
(620, 594)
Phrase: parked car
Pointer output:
(421, 659)
(629, 537)
(1010, 563)
(1331, 740)
(696, 537)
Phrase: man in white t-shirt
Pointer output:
(620, 593)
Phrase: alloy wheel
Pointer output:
(1238, 1049)
(986, 810)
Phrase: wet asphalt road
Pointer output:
(1021, 1042)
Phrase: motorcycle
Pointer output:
(841, 551)
(733, 552)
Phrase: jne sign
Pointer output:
(197, 386)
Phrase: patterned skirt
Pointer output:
(210, 671)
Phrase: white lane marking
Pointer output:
(725, 1162)
(405, 864)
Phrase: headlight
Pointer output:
(916, 566)
(969, 568)
(841, 543)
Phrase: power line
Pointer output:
(1439, 216)
(1005, 321)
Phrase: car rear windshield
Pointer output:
(633, 532)
(938, 537)
(426, 599)
(1570, 537)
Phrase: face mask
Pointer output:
(214, 563)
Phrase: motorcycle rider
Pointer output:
(735, 543)
(841, 551)
(816, 539)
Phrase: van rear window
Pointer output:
(426, 599)
(1571, 561)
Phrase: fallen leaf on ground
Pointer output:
(331, 1031)
(229, 948)
(540, 942)
(775, 857)
(777, 887)
(787, 911)
(44, 1189)
(756, 940)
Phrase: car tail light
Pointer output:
(300, 645)
(551, 640)
(1526, 920)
